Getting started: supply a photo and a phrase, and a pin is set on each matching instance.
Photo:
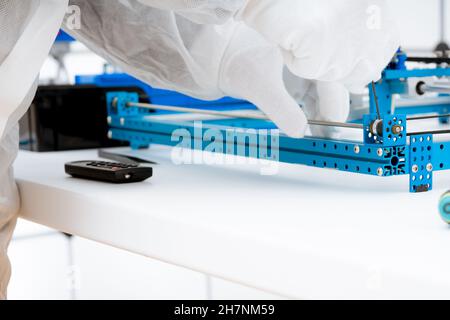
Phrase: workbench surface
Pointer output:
(303, 233)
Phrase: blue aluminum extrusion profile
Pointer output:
(347, 156)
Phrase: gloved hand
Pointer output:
(252, 69)
(347, 41)
(325, 101)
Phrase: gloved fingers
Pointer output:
(334, 101)
(333, 104)
(297, 87)
(325, 101)
(303, 91)
(255, 73)
(366, 70)
(337, 41)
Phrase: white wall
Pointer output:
(419, 22)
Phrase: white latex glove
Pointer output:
(252, 69)
(326, 101)
(347, 41)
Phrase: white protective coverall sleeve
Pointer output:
(28, 29)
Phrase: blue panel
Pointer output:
(160, 96)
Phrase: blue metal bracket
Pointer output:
(388, 131)
(421, 163)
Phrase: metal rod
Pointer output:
(429, 117)
(239, 114)
(376, 100)
(424, 88)
(428, 132)
(429, 60)
(335, 124)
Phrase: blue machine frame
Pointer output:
(388, 148)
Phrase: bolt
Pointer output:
(356, 149)
(396, 129)
(380, 171)
(122, 121)
(380, 152)
(109, 120)
(415, 168)
(110, 134)
(429, 167)
(115, 103)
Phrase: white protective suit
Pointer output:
(28, 29)
(204, 48)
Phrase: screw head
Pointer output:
(122, 121)
(109, 120)
(115, 102)
(356, 149)
(380, 172)
(429, 167)
(415, 168)
(396, 129)
(110, 134)
(380, 152)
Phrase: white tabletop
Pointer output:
(303, 233)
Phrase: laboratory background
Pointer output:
(48, 264)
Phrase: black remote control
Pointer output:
(113, 172)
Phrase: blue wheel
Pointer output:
(444, 207)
